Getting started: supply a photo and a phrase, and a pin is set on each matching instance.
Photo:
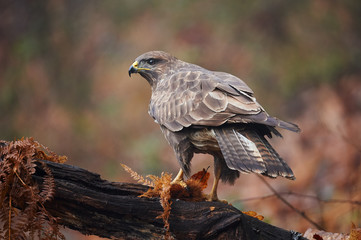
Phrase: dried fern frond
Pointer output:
(162, 189)
(153, 178)
(136, 176)
(165, 196)
(355, 233)
(165, 190)
(22, 211)
(51, 156)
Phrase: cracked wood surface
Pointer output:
(86, 203)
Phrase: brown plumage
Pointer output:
(202, 111)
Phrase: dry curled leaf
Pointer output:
(253, 214)
(192, 189)
(202, 177)
(317, 237)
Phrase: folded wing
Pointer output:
(205, 98)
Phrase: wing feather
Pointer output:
(205, 98)
(216, 101)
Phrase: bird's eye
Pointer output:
(151, 61)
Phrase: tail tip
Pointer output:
(290, 126)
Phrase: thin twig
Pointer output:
(300, 195)
(256, 198)
(290, 205)
(19, 178)
(322, 200)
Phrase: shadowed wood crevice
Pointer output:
(86, 203)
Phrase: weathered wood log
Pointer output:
(86, 203)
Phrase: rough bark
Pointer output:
(86, 203)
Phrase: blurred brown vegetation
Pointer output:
(63, 81)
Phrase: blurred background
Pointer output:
(64, 81)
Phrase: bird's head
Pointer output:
(152, 65)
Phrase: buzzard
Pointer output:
(203, 111)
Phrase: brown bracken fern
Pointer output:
(162, 187)
(22, 211)
(136, 176)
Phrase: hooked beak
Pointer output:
(131, 70)
(135, 68)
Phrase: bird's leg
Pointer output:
(217, 175)
(179, 177)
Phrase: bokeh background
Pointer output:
(64, 81)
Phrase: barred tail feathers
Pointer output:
(248, 151)
(275, 165)
(239, 152)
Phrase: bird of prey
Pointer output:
(203, 111)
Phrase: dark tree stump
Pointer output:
(86, 203)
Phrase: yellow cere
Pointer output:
(135, 65)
